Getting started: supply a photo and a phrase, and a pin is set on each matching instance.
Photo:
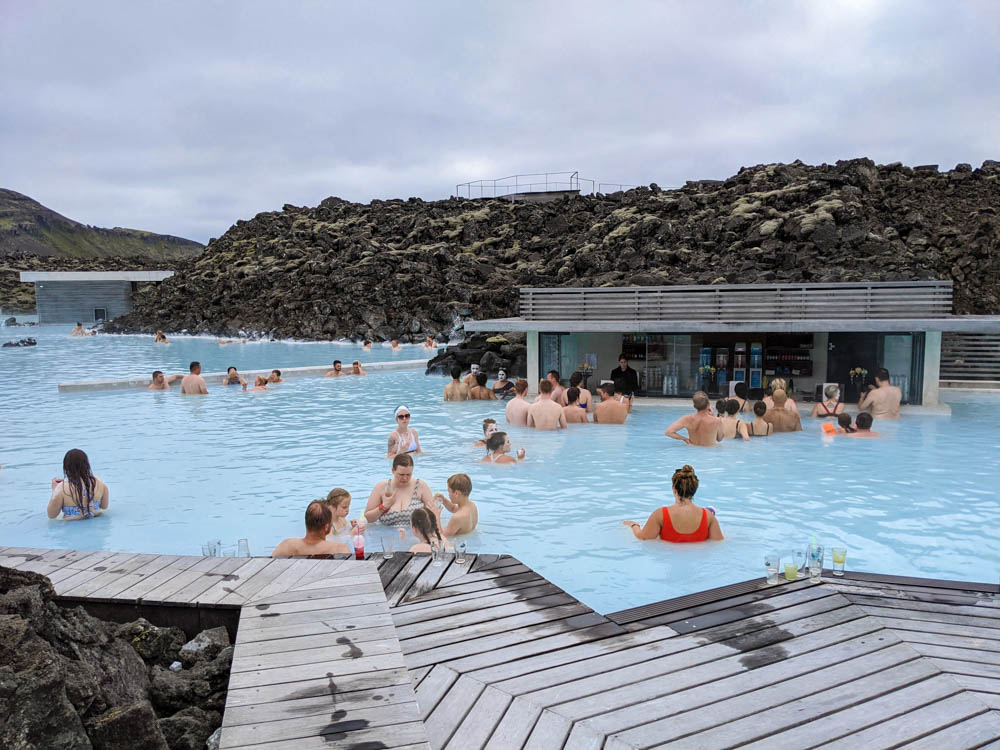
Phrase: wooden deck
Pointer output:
(328, 652)
(316, 662)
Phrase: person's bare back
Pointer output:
(610, 411)
(456, 391)
(883, 402)
(546, 414)
(194, 384)
(301, 547)
(702, 426)
(517, 411)
(575, 415)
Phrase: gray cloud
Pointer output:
(184, 117)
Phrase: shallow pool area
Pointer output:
(923, 500)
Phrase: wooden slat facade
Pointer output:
(970, 357)
(741, 302)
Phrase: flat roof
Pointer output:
(951, 323)
(95, 275)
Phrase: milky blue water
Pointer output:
(923, 500)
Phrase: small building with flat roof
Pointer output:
(86, 296)
(682, 339)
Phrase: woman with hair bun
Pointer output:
(79, 494)
(392, 502)
(683, 521)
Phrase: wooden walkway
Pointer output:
(316, 662)
(501, 658)
(328, 653)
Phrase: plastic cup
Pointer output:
(388, 546)
(839, 560)
(771, 565)
(460, 549)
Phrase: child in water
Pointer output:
(425, 528)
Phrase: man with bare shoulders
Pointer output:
(572, 411)
(517, 407)
(546, 414)
(318, 523)
(470, 377)
(161, 382)
(863, 422)
(357, 369)
(883, 398)
(456, 390)
(702, 426)
(609, 410)
(783, 419)
(479, 392)
(194, 383)
(558, 392)
(337, 371)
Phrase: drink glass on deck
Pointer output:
(437, 555)
(839, 560)
(388, 545)
(800, 563)
(815, 562)
(791, 571)
(771, 563)
(460, 549)
(244, 548)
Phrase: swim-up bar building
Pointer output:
(87, 296)
(682, 339)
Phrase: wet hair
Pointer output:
(576, 378)
(553, 372)
(76, 468)
(456, 372)
(496, 441)
(740, 389)
(230, 368)
(864, 421)
(157, 372)
(700, 401)
(779, 384)
(831, 390)
(403, 459)
(259, 380)
(572, 394)
(194, 366)
(481, 378)
(336, 496)
(318, 516)
(544, 386)
(521, 386)
(356, 362)
(760, 408)
(276, 372)
(487, 422)
(720, 405)
(460, 483)
(426, 526)
(685, 481)
(882, 374)
(337, 362)
(367, 343)
(844, 420)
(732, 406)
(608, 389)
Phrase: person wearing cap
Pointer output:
(403, 439)
(783, 419)
(502, 388)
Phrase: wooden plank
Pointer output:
(404, 579)
(289, 577)
(928, 627)
(463, 587)
(426, 580)
(925, 615)
(112, 562)
(313, 625)
(549, 733)
(917, 724)
(167, 588)
(314, 641)
(434, 687)
(516, 726)
(978, 684)
(389, 569)
(344, 648)
(990, 700)
(828, 729)
(161, 576)
(429, 608)
(486, 574)
(257, 695)
(417, 675)
(316, 705)
(118, 576)
(334, 618)
(249, 568)
(345, 596)
(451, 709)
(454, 621)
(114, 589)
(342, 670)
(704, 673)
(743, 718)
(395, 737)
(345, 726)
(952, 659)
(87, 564)
(42, 562)
(476, 728)
(976, 731)
(325, 588)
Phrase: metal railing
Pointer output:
(741, 302)
(538, 182)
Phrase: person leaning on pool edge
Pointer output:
(668, 523)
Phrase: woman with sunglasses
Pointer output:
(403, 439)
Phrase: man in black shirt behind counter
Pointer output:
(626, 379)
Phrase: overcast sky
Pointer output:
(183, 117)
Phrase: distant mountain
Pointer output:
(26, 226)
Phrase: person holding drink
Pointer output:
(392, 501)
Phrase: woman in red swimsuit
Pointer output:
(683, 521)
